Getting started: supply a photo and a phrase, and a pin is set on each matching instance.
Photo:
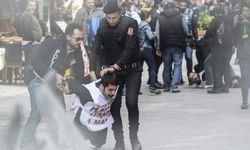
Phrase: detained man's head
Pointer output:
(193, 77)
(145, 16)
(113, 13)
(109, 91)
(108, 85)
(74, 35)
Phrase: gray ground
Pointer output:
(190, 120)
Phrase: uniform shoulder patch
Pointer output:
(130, 31)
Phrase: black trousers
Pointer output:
(245, 77)
(131, 80)
(221, 57)
(158, 62)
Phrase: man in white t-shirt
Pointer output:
(92, 106)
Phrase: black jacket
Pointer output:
(52, 55)
(78, 67)
(120, 43)
(211, 33)
(243, 45)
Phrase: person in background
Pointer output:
(242, 30)
(92, 26)
(221, 37)
(31, 31)
(82, 16)
(59, 14)
(130, 12)
(171, 45)
(94, 21)
(190, 27)
(155, 13)
(145, 36)
(136, 5)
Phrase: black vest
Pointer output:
(113, 40)
(172, 33)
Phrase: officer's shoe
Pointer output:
(244, 106)
(214, 91)
(136, 145)
(119, 146)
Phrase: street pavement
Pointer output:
(189, 120)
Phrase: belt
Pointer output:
(130, 66)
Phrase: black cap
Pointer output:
(221, 1)
(170, 5)
(111, 7)
(219, 10)
(156, 2)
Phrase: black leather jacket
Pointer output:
(51, 55)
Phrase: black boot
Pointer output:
(214, 91)
(244, 105)
(136, 145)
(118, 134)
(119, 145)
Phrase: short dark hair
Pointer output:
(185, 1)
(220, 1)
(111, 7)
(98, 3)
(144, 15)
(157, 2)
(109, 78)
(170, 5)
(71, 27)
(127, 5)
(219, 10)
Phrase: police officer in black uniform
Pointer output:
(117, 47)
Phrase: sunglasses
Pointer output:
(78, 39)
